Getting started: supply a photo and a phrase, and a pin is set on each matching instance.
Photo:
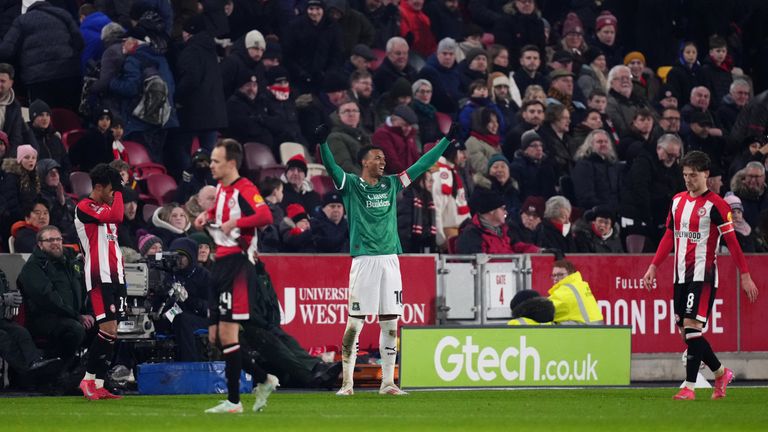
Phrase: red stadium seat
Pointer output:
(380, 56)
(258, 155)
(161, 187)
(137, 153)
(195, 145)
(65, 120)
(148, 211)
(322, 184)
(69, 138)
(81, 183)
(444, 122)
(144, 170)
(271, 171)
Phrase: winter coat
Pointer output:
(681, 79)
(165, 231)
(248, 119)
(52, 287)
(294, 239)
(285, 126)
(313, 110)
(479, 152)
(269, 235)
(717, 79)
(512, 139)
(385, 21)
(19, 189)
(475, 238)
(558, 149)
(596, 182)
(614, 54)
(648, 190)
(126, 231)
(726, 114)
(195, 279)
(308, 198)
(446, 84)
(61, 215)
(415, 27)
(199, 88)
(534, 178)
(534, 311)
(444, 23)
(588, 241)
(551, 237)
(621, 110)
(515, 30)
(400, 151)
(24, 237)
(465, 115)
(237, 64)
(486, 12)
(14, 125)
(467, 76)
(429, 129)
(92, 149)
(416, 224)
(329, 237)
(588, 80)
(311, 50)
(130, 83)
(90, 28)
(111, 64)
(523, 81)
(355, 27)
(752, 121)
(387, 74)
(344, 142)
(47, 42)
(9, 10)
(49, 146)
(215, 18)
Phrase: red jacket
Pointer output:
(400, 151)
(475, 238)
(419, 26)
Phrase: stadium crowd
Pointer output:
(574, 115)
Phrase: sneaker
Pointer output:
(721, 383)
(263, 390)
(391, 389)
(226, 406)
(103, 393)
(346, 390)
(685, 394)
(88, 387)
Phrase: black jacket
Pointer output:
(534, 178)
(387, 74)
(248, 119)
(312, 50)
(558, 149)
(550, 237)
(199, 88)
(589, 242)
(444, 23)
(717, 80)
(52, 287)
(328, 236)
(14, 127)
(236, 64)
(93, 148)
(647, 192)
(416, 220)
(596, 182)
(515, 30)
(49, 146)
(195, 279)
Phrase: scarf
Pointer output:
(604, 237)
(423, 222)
(563, 228)
(456, 188)
(562, 97)
(497, 230)
(491, 139)
(117, 150)
(427, 110)
(4, 102)
(281, 93)
(742, 227)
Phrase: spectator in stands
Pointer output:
(488, 232)
(715, 73)
(554, 135)
(600, 234)
(428, 127)
(484, 140)
(296, 230)
(62, 208)
(399, 94)
(596, 174)
(248, 114)
(92, 21)
(149, 245)
(394, 66)
(749, 185)
(500, 86)
(197, 176)
(449, 193)
(498, 179)
(199, 95)
(206, 249)
(315, 109)
(125, 173)
(644, 83)
(36, 216)
(715, 179)
(415, 27)
(498, 61)
(170, 222)
(532, 168)
(530, 308)
(132, 222)
(95, 146)
(360, 59)
(272, 190)
(532, 117)
(665, 98)
(653, 179)
(193, 302)
(744, 233)
(282, 106)
(473, 68)
(355, 27)
(141, 58)
(473, 39)
(701, 139)
(639, 136)
(606, 27)
(445, 18)
(528, 74)
(20, 185)
(573, 39)
(592, 121)
(54, 296)
(737, 98)
(519, 25)
(561, 92)
(573, 300)
(555, 232)
(244, 59)
(397, 139)
(313, 45)
(754, 150)
(202, 201)
(47, 140)
(535, 92)
(700, 102)
(561, 59)
(525, 226)
(47, 43)
(111, 62)
(330, 229)
(11, 121)
(385, 18)
(684, 75)
(442, 71)
(361, 91)
(479, 97)
(622, 103)
(670, 120)
(592, 73)
(346, 137)
(416, 217)
(298, 188)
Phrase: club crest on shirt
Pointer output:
(702, 211)
(729, 218)
(258, 199)
(231, 202)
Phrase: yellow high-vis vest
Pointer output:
(574, 302)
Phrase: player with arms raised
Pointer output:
(696, 221)
(375, 284)
(238, 211)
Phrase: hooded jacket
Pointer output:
(194, 278)
(199, 90)
(446, 84)
(165, 231)
(19, 189)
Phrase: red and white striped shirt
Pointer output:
(97, 229)
(697, 224)
(243, 202)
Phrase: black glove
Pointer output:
(116, 180)
(454, 133)
(11, 299)
(321, 133)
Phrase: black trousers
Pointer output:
(16, 346)
(279, 353)
(187, 346)
(65, 335)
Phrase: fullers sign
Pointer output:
(312, 290)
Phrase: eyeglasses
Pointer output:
(558, 276)
(350, 111)
(52, 240)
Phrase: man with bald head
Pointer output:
(700, 101)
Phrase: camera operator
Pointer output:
(184, 305)
(55, 297)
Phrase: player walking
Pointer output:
(375, 284)
(237, 212)
(96, 219)
(696, 221)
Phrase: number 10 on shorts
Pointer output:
(399, 297)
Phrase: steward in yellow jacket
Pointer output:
(574, 302)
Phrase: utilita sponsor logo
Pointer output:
(514, 363)
(329, 306)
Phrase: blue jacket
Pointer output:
(129, 85)
(91, 30)
(446, 84)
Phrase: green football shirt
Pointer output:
(371, 209)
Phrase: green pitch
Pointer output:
(521, 410)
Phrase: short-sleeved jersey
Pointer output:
(235, 201)
(372, 213)
(697, 224)
(96, 226)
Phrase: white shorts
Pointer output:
(375, 286)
